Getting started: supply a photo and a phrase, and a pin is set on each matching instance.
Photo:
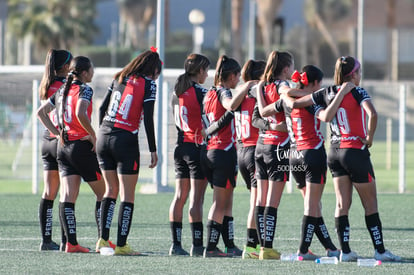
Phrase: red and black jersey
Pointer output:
(58, 82)
(188, 111)
(225, 138)
(126, 103)
(274, 137)
(78, 91)
(349, 123)
(303, 126)
(246, 132)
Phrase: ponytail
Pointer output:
(147, 63)
(55, 60)
(276, 62)
(253, 70)
(344, 68)
(78, 65)
(192, 65)
(224, 68)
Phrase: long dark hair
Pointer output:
(344, 67)
(313, 74)
(192, 66)
(147, 64)
(55, 60)
(275, 64)
(253, 70)
(225, 67)
(78, 65)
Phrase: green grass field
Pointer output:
(150, 233)
(19, 181)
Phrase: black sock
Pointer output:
(46, 219)
(252, 239)
(126, 210)
(197, 233)
(322, 233)
(260, 226)
(62, 228)
(98, 216)
(343, 231)
(308, 228)
(176, 230)
(227, 231)
(213, 234)
(69, 221)
(374, 227)
(107, 214)
(270, 217)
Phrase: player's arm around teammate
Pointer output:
(271, 155)
(220, 160)
(349, 159)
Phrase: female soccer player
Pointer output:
(56, 68)
(308, 156)
(220, 160)
(352, 133)
(131, 95)
(272, 160)
(188, 110)
(76, 148)
(247, 121)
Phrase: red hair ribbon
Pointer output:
(300, 77)
(154, 50)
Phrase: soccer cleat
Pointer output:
(102, 243)
(348, 257)
(235, 251)
(267, 253)
(387, 256)
(250, 252)
(49, 246)
(216, 253)
(177, 250)
(309, 256)
(62, 247)
(333, 253)
(125, 250)
(196, 251)
(70, 248)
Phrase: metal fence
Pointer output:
(395, 126)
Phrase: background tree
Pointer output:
(267, 11)
(53, 23)
(320, 14)
(236, 29)
(135, 18)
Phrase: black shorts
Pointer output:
(355, 163)
(49, 153)
(247, 167)
(220, 167)
(77, 158)
(118, 151)
(272, 162)
(308, 166)
(187, 161)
